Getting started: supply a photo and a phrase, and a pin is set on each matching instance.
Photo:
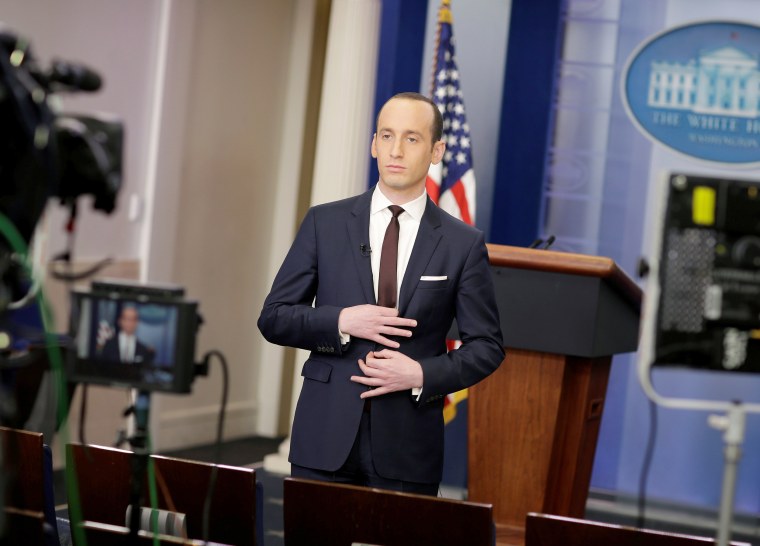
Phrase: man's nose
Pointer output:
(397, 150)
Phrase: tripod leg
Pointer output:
(733, 426)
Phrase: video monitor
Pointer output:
(708, 302)
(133, 340)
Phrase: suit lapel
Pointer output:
(358, 234)
(427, 241)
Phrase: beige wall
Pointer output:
(233, 126)
(201, 85)
(118, 40)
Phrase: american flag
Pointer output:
(451, 183)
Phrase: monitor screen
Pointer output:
(135, 341)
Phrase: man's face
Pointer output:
(403, 145)
(128, 320)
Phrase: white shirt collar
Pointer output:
(415, 208)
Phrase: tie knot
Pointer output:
(395, 210)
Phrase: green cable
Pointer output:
(56, 364)
(18, 245)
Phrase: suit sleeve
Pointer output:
(477, 316)
(288, 317)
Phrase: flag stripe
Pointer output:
(433, 189)
(461, 199)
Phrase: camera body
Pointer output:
(44, 154)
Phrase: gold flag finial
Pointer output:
(444, 13)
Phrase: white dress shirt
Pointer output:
(127, 345)
(409, 224)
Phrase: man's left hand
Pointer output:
(388, 371)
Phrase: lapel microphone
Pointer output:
(365, 250)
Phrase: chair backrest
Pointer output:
(21, 527)
(548, 530)
(318, 513)
(23, 461)
(104, 476)
(27, 465)
(102, 534)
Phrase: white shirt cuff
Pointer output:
(344, 338)
(416, 392)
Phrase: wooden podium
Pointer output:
(534, 423)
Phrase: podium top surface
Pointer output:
(567, 263)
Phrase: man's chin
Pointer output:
(400, 184)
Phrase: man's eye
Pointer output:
(412, 139)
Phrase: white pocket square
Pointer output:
(434, 278)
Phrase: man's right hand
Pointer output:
(374, 322)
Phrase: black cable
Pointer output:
(83, 415)
(219, 434)
(82, 275)
(68, 275)
(647, 463)
(666, 351)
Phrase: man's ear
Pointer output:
(438, 149)
(373, 147)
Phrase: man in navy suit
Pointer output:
(370, 410)
(124, 347)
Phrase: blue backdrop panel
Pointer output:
(535, 39)
(399, 61)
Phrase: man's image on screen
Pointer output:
(124, 346)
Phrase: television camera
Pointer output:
(44, 154)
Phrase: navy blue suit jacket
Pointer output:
(110, 352)
(326, 266)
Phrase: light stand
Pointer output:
(139, 443)
(703, 301)
(731, 422)
(733, 426)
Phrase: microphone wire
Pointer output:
(219, 434)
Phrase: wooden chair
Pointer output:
(318, 513)
(27, 465)
(547, 530)
(21, 527)
(104, 477)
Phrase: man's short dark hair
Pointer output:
(437, 128)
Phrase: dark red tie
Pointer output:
(387, 283)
